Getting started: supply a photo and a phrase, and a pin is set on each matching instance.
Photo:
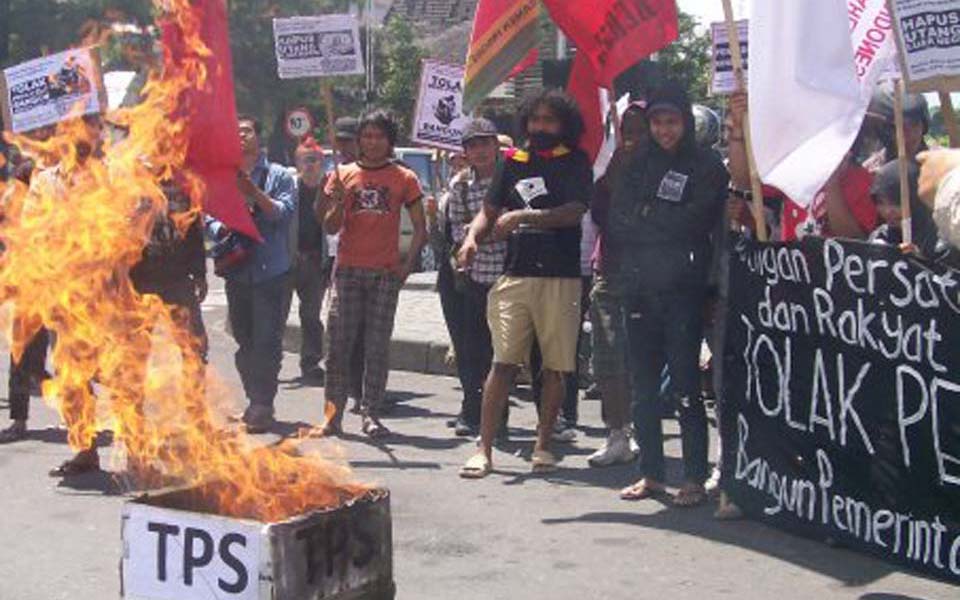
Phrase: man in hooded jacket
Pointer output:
(657, 252)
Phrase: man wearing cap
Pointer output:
(462, 203)
(536, 201)
(310, 269)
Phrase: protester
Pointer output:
(880, 128)
(172, 266)
(26, 374)
(464, 201)
(536, 201)
(885, 193)
(842, 208)
(658, 241)
(257, 288)
(74, 168)
(345, 151)
(363, 203)
(607, 314)
(311, 270)
(939, 185)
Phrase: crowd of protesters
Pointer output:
(533, 250)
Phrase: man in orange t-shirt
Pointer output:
(363, 203)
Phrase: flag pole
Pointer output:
(331, 125)
(949, 118)
(756, 187)
(902, 159)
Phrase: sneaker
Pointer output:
(615, 450)
(258, 419)
(464, 429)
(563, 431)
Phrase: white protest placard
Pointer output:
(52, 88)
(928, 37)
(319, 46)
(722, 79)
(176, 555)
(439, 118)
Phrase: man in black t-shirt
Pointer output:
(536, 201)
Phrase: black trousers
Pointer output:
(31, 366)
(667, 329)
(476, 350)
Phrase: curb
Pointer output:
(416, 356)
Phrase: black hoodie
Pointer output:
(665, 207)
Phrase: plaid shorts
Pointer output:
(363, 301)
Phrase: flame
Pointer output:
(71, 240)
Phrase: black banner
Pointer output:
(842, 397)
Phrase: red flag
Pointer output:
(504, 34)
(214, 151)
(615, 34)
(585, 90)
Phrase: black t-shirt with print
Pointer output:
(531, 181)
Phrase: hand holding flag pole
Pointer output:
(733, 35)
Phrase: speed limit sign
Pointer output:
(298, 123)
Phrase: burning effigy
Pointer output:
(70, 241)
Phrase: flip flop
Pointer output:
(374, 428)
(79, 464)
(543, 461)
(640, 490)
(690, 496)
(477, 467)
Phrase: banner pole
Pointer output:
(902, 160)
(331, 124)
(949, 118)
(756, 187)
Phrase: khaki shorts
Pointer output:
(521, 309)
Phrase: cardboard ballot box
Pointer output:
(174, 551)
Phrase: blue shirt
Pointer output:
(271, 258)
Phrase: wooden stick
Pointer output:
(331, 125)
(756, 187)
(902, 163)
(949, 119)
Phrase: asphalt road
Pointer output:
(513, 535)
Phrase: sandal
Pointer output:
(641, 490)
(374, 428)
(85, 461)
(543, 461)
(689, 496)
(16, 432)
(477, 467)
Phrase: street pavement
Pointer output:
(512, 535)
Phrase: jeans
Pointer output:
(31, 366)
(310, 280)
(258, 320)
(666, 329)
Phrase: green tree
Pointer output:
(399, 72)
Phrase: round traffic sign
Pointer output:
(298, 123)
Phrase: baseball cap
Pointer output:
(478, 128)
(345, 128)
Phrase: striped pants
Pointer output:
(363, 301)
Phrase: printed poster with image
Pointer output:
(439, 118)
(928, 37)
(320, 46)
(52, 88)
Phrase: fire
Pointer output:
(70, 244)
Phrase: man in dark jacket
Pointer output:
(657, 251)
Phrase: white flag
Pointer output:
(810, 87)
